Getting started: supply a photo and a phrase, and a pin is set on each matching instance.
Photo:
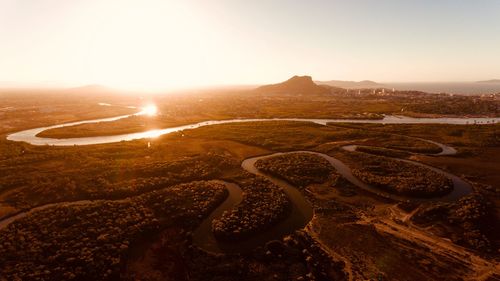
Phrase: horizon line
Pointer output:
(66, 86)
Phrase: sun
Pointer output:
(149, 110)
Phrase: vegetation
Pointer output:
(132, 124)
(91, 178)
(383, 151)
(91, 242)
(455, 105)
(383, 141)
(468, 222)
(277, 135)
(262, 206)
(286, 100)
(456, 135)
(404, 143)
(295, 257)
(299, 169)
(399, 177)
(23, 109)
(138, 194)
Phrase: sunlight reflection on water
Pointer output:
(149, 110)
(29, 136)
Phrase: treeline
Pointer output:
(98, 179)
(299, 169)
(399, 177)
(263, 205)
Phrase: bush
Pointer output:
(299, 169)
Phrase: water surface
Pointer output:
(30, 136)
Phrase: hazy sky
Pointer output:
(164, 44)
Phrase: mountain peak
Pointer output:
(297, 78)
(297, 85)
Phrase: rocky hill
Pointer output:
(297, 85)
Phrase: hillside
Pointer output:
(297, 85)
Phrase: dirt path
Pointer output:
(314, 233)
(479, 266)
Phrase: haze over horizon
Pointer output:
(178, 44)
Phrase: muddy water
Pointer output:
(203, 235)
(300, 214)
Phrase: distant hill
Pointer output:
(489, 81)
(351, 84)
(297, 85)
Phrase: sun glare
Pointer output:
(149, 110)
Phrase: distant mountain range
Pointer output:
(297, 85)
(489, 81)
(351, 84)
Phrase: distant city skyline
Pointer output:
(187, 44)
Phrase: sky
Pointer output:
(172, 44)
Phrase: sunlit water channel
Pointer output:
(30, 136)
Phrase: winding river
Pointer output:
(301, 212)
(30, 136)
